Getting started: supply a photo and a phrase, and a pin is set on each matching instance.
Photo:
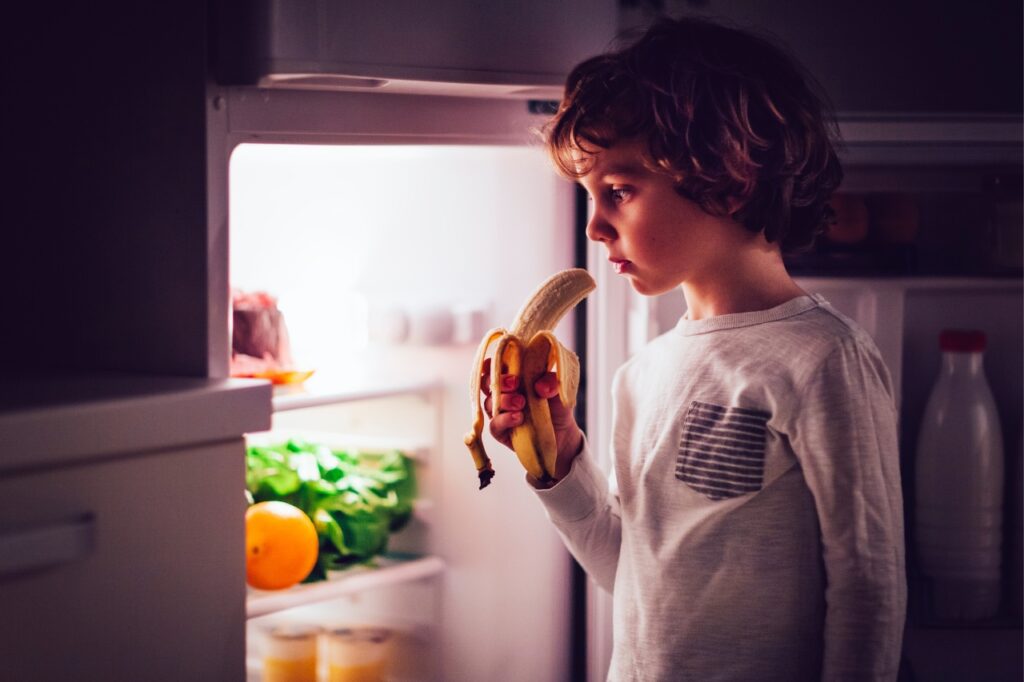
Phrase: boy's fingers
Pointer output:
(485, 378)
(547, 385)
(510, 402)
(509, 382)
(504, 422)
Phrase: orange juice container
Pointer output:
(358, 654)
(289, 654)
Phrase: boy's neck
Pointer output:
(746, 280)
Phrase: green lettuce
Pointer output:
(356, 499)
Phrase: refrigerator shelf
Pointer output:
(417, 449)
(317, 393)
(260, 603)
(905, 284)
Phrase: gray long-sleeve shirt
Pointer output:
(752, 528)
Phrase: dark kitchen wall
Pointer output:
(884, 56)
(105, 199)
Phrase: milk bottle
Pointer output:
(959, 484)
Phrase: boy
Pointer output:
(752, 526)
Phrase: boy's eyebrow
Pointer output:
(624, 168)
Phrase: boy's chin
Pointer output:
(648, 289)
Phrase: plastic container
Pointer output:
(959, 485)
(290, 654)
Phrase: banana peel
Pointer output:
(529, 349)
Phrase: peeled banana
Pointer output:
(528, 350)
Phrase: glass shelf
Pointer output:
(261, 603)
(315, 392)
(916, 283)
(416, 449)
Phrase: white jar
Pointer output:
(959, 485)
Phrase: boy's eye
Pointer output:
(618, 194)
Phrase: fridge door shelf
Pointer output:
(391, 572)
(50, 419)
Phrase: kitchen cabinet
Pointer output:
(108, 199)
(150, 587)
(121, 533)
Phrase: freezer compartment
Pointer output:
(448, 46)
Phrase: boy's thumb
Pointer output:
(547, 387)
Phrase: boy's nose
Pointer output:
(599, 229)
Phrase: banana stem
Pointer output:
(483, 463)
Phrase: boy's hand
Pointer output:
(512, 402)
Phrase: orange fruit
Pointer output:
(281, 545)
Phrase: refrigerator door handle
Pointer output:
(31, 550)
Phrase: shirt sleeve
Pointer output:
(584, 508)
(844, 434)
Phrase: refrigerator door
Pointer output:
(614, 321)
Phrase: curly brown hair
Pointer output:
(730, 116)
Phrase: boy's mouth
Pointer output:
(620, 264)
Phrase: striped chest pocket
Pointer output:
(721, 450)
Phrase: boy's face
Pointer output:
(655, 237)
